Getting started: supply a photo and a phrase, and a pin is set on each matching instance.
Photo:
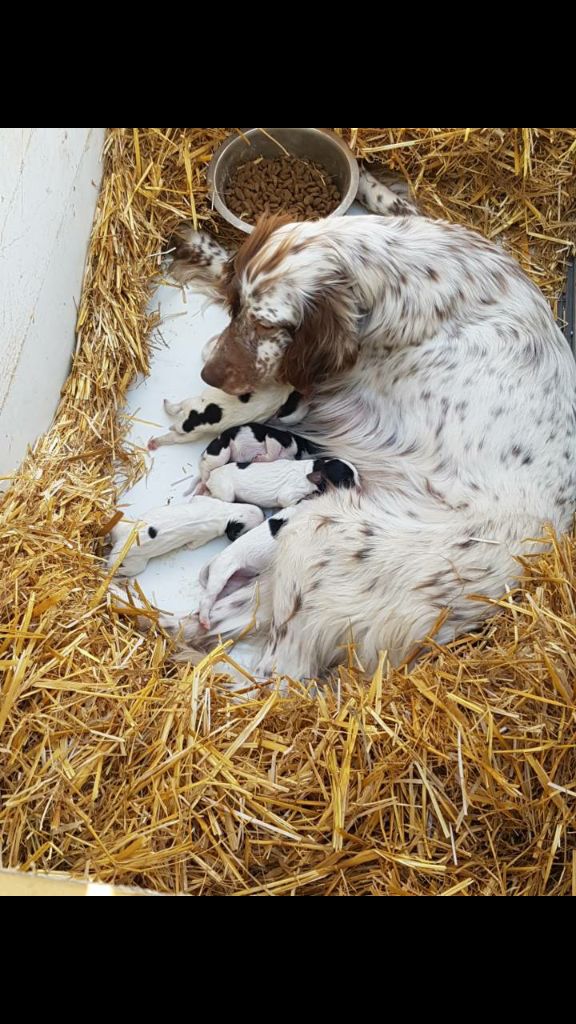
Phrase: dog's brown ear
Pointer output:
(315, 477)
(325, 344)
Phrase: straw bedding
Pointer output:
(455, 778)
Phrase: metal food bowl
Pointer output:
(317, 144)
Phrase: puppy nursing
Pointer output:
(170, 527)
(279, 484)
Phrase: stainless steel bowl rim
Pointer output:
(347, 199)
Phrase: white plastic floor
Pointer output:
(187, 322)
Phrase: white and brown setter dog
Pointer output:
(430, 361)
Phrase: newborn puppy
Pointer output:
(175, 526)
(293, 411)
(248, 557)
(253, 442)
(279, 484)
(213, 411)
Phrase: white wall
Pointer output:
(49, 179)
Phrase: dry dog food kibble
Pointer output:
(287, 184)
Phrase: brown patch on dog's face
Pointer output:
(249, 352)
(248, 355)
(254, 350)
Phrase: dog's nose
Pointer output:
(212, 376)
